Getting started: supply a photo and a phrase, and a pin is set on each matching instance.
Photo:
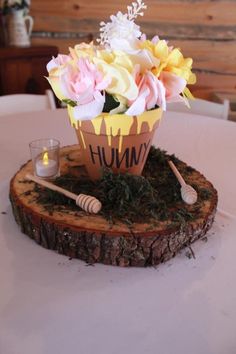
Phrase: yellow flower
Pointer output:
(117, 67)
(171, 60)
(160, 50)
(122, 59)
(83, 50)
(116, 57)
(180, 66)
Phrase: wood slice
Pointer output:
(92, 238)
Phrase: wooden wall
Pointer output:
(203, 29)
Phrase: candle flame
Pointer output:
(45, 158)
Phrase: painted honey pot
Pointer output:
(118, 141)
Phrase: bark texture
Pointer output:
(92, 239)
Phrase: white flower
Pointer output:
(119, 27)
(122, 27)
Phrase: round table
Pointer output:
(50, 304)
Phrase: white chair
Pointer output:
(19, 103)
(203, 108)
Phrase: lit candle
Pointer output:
(46, 167)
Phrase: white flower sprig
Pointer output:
(122, 25)
(136, 9)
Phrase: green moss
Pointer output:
(154, 196)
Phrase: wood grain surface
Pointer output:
(93, 238)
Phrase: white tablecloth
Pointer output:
(52, 305)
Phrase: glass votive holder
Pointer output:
(45, 158)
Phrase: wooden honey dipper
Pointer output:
(85, 202)
(188, 193)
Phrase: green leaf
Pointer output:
(69, 102)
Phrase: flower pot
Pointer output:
(119, 142)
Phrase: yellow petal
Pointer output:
(161, 50)
(188, 62)
(122, 82)
(192, 79)
(108, 57)
(55, 83)
(188, 94)
(123, 60)
(159, 69)
(147, 45)
(175, 57)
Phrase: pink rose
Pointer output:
(151, 93)
(81, 82)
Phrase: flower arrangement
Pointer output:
(124, 73)
(14, 5)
